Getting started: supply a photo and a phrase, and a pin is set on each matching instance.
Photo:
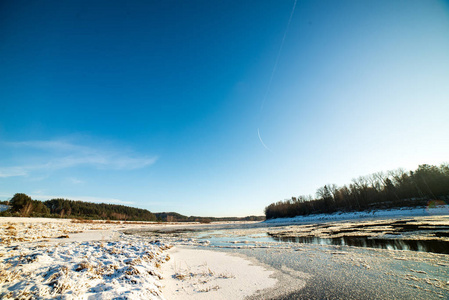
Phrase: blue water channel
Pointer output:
(220, 238)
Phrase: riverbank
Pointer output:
(328, 271)
(47, 258)
(437, 210)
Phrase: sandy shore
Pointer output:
(47, 258)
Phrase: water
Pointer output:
(434, 246)
(258, 236)
(351, 273)
(222, 238)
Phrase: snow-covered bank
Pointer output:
(104, 270)
(45, 258)
(19, 230)
(48, 258)
(401, 212)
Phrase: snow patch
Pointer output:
(399, 212)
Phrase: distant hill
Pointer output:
(176, 217)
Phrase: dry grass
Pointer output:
(84, 266)
(8, 276)
(209, 288)
(132, 263)
(183, 276)
(154, 273)
(116, 251)
(225, 275)
(132, 271)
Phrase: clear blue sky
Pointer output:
(193, 107)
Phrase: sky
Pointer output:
(217, 108)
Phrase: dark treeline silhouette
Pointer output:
(377, 191)
(22, 205)
(175, 217)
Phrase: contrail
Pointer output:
(260, 139)
(274, 71)
(277, 58)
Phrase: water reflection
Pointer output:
(256, 235)
(390, 244)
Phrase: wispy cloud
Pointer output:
(60, 154)
(81, 198)
(52, 145)
(13, 171)
(75, 180)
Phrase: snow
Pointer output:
(204, 274)
(103, 270)
(57, 258)
(400, 212)
(33, 265)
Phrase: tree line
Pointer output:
(176, 217)
(22, 205)
(381, 190)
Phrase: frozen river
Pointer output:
(393, 259)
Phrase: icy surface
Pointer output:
(324, 271)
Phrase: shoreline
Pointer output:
(363, 215)
(44, 258)
(194, 273)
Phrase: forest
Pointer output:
(21, 205)
(381, 190)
